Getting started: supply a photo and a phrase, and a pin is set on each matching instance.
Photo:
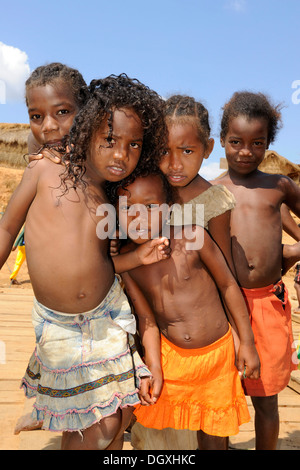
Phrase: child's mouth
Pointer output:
(116, 170)
(176, 178)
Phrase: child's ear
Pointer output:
(222, 141)
(209, 147)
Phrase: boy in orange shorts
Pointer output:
(249, 124)
(182, 322)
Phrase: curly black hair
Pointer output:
(112, 189)
(183, 106)
(106, 95)
(50, 73)
(252, 105)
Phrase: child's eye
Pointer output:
(35, 117)
(234, 142)
(110, 140)
(135, 145)
(187, 151)
(63, 111)
(152, 207)
(124, 208)
(165, 152)
(258, 144)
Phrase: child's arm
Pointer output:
(150, 337)
(291, 253)
(16, 211)
(150, 252)
(213, 259)
(288, 223)
(219, 229)
(291, 195)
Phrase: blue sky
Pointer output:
(205, 48)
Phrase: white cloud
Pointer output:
(14, 70)
(210, 171)
(236, 5)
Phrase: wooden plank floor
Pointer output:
(16, 346)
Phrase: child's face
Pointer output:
(245, 143)
(140, 215)
(113, 156)
(185, 153)
(51, 110)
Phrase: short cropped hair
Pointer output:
(252, 106)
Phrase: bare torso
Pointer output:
(256, 230)
(69, 266)
(183, 297)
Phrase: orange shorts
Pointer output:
(201, 390)
(272, 329)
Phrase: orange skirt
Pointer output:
(272, 329)
(202, 390)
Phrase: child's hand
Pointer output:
(114, 247)
(55, 157)
(154, 250)
(150, 388)
(248, 362)
(236, 342)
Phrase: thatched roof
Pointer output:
(275, 164)
(14, 133)
(13, 143)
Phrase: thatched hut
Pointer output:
(13, 144)
(275, 164)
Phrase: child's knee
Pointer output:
(266, 406)
(97, 437)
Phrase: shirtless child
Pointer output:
(249, 124)
(84, 371)
(202, 388)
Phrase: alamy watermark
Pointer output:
(138, 221)
(296, 94)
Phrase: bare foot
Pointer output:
(26, 423)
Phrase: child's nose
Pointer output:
(120, 152)
(175, 162)
(245, 151)
(139, 211)
(49, 124)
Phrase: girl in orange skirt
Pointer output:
(182, 322)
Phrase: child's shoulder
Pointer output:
(44, 173)
(43, 165)
(34, 170)
(257, 176)
(214, 201)
(273, 181)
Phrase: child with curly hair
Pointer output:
(249, 124)
(85, 371)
